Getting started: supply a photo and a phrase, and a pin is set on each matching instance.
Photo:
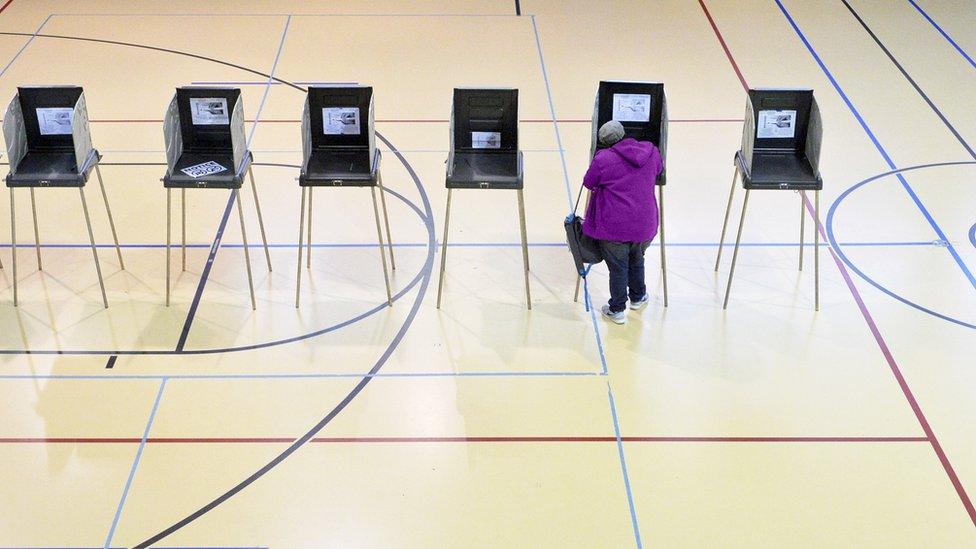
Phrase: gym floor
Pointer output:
(346, 423)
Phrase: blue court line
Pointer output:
(623, 468)
(944, 34)
(490, 245)
(596, 329)
(135, 464)
(552, 112)
(205, 276)
(156, 377)
(972, 235)
(24, 47)
(877, 144)
(586, 296)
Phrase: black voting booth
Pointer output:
(339, 150)
(780, 150)
(484, 154)
(642, 109)
(49, 145)
(206, 149)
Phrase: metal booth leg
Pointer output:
(386, 220)
(91, 237)
(308, 264)
(379, 236)
(802, 221)
(735, 253)
(447, 225)
(664, 257)
(576, 293)
(301, 233)
(525, 248)
(13, 241)
(111, 220)
(169, 200)
(816, 251)
(579, 278)
(725, 224)
(183, 229)
(247, 254)
(37, 238)
(257, 206)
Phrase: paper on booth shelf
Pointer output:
(340, 121)
(631, 107)
(209, 111)
(776, 125)
(486, 140)
(55, 120)
(200, 170)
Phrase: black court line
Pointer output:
(518, 8)
(911, 80)
(111, 361)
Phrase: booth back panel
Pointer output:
(340, 116)
(638, 106)
(485, 120)
(47, 116)
(205, 117)
(781, 118)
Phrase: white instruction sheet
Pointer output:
(776, 125)
(209, 111)
(486, 140)
(340, 121)
(631, 107)
(55, 120)
(200, 170)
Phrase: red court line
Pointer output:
(875, 331)
(463, 440)
(5, 5)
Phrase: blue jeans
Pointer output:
(626, 263)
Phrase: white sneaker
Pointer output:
(616, 318)
(640, 303)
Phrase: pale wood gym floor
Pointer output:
(487, 425)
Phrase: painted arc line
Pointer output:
(415, 308)
(838, 248)
(877, 143)
(235, 196)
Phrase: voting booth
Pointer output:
(339, 150)
(206, 149)
(780, 151)
(484, 154)
(642, 109)
(49, 145)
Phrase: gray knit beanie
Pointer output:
(610, 133)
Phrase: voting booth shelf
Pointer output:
(339, 150)
(206, 149)
(49, 145)
(484, 154)
(642, 109)
(781, 143)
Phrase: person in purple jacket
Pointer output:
(622, 213)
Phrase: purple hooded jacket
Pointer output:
(622, 180)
